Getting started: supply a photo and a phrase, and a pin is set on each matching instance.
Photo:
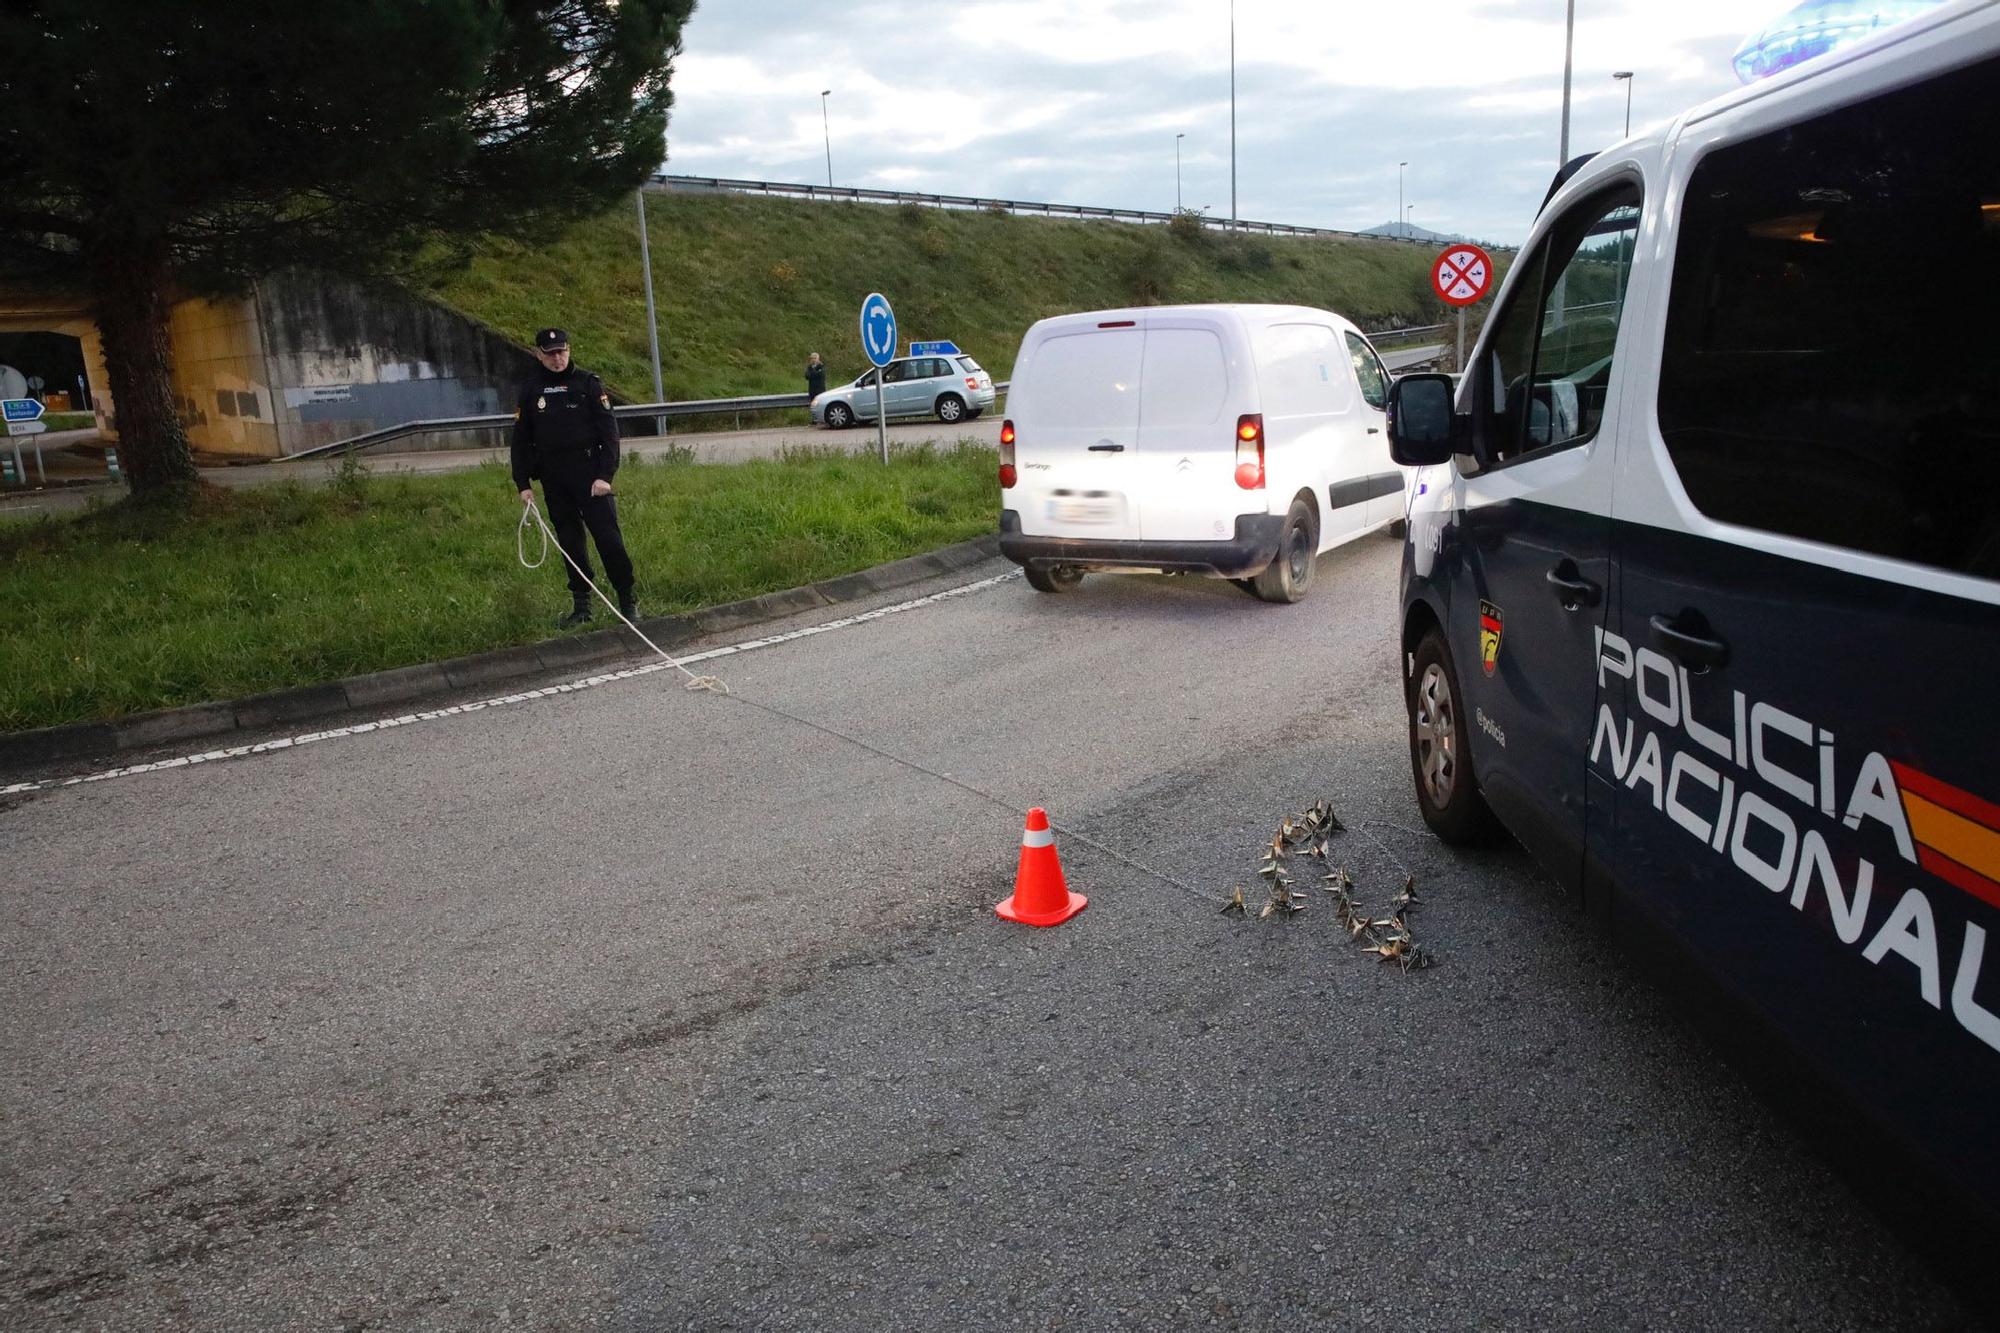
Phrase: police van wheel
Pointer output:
(950, 409)
(1289, 576)
(839, 417)
(1056, 578)
(1439, 759)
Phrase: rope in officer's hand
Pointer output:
(529, 512)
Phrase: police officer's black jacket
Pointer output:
(563, 427)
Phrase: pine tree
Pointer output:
(155, 148)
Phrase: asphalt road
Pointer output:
(642, 1008)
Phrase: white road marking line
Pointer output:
(525, 696)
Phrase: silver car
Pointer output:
(951, 388)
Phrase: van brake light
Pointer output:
(1007, 474)
(1249, 451)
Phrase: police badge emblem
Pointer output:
(541, 404)
(1489, 636)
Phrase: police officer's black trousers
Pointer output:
(572, 508)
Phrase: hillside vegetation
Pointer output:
(747, 285)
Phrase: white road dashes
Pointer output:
(502, 701)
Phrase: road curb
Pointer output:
(376, 690)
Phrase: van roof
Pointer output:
(1834, 64)
(1244, 312)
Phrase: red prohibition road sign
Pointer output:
(1462, 274)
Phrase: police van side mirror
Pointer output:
(1423, 428)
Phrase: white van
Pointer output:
(1233, 441)
(1701, 594)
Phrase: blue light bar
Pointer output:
(1815, 28)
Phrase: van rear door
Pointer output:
(1075, 429)
(1186, 459)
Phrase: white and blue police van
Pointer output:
(1701, 586)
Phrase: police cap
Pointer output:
(551, 339)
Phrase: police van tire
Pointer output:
(839, 416)
(1056, 578)
(950, 409)
(1440, 760)
(1289, 576)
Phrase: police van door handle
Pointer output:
(1107, 448)
(1571, 588)
(1688, 639)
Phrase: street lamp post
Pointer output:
(1569, 44)
(1624, 76)
(1399, 190)
(1232, 113)
(827, 128)
(1177, 171)
(652, 319)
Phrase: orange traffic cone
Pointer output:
(1040, 897)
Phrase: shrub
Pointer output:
(1186, 226)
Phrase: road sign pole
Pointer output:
(881, 419)
(1458, 352)
(878, 340)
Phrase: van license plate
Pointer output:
(1083, 511)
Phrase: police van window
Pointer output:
(1548, 369)
(1829, 369)
(1368, 369)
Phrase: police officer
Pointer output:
(565, 434)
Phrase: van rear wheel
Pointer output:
(1440, 760)
(1055, 578)
(1289, 576)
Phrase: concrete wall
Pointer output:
(347, 357)
(304, 359)
(221, 381)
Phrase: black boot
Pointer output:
(578, 615)
(628, 604)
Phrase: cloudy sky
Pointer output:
(1078, 101)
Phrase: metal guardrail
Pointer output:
(857, 194)
(695, 407)
(1405, 359)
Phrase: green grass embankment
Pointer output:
(746, 286)
(126, 609)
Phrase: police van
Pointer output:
(1701, 586)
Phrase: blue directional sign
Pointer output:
(945, 348)
(20, 409)
(878, 329)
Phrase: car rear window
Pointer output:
(1187, 381)
(1085, 380)
(969, 366)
